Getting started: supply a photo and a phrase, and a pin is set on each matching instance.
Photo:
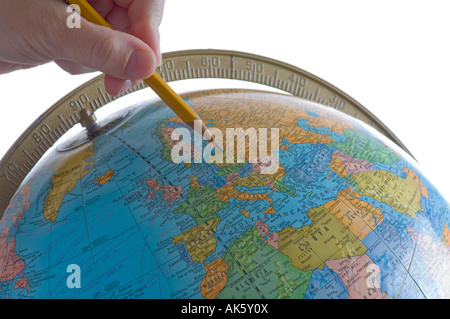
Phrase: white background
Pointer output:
(391, 56)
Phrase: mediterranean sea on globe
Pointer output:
(347, 214)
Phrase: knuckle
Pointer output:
(102, 55)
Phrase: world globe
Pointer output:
(137, 210)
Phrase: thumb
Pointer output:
(112, 52)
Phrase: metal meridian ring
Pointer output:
(179, 65)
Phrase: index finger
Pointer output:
(143, 18)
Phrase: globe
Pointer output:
(303, 202)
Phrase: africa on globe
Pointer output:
(344, 213)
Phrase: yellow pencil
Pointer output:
(155, 82)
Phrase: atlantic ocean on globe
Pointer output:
(345, 214)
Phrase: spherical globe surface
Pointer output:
(143, 211)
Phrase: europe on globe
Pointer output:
(140, 212)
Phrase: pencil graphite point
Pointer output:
(200, 127)
(216, 144)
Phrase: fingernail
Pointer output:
(139, 64)
(126, 85)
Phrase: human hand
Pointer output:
(35, 32)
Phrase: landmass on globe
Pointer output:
(346, 215)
